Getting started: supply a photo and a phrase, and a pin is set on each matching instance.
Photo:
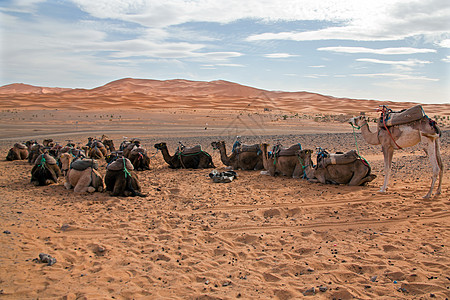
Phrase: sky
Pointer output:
(396, 50)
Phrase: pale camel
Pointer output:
(403, 136)
(287, 165)
(353, 173)
(246, 157)
(88, 180)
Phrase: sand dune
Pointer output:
(157, 94)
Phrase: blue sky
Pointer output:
(396, 50)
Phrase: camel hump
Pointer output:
(83, 164)
(45, 158)
(292, 150)
(20, 146)
(119, 164)
(405, 116)
(191, 150)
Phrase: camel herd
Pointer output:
(79, 165)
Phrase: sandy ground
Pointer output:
(257, 237)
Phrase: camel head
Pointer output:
(160, 146)
(305, 156)
(65, 160)
(217, 145)
(359, 120)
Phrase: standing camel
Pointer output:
(403, 136)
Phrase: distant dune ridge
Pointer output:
(179, 93)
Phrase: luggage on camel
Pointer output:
(46, 158)
(391, 118)
(190, 150)
(324, 158)
(278, 150)
(83, 164)
(120, 164)
(20, 146)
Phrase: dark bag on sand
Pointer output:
(45, 158)
(83, 164)
(405, 116)
(119, 164)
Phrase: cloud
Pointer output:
(446, 59)
(376, 21)
(409, 62)
(444, 43)
(395, 76)
(384, 51)
(279, 55)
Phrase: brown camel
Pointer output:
(245, 157)
(346, 168)
(121, 180)
(45, 170)
(402, 136)
(189, 158)
(97, 150)
(284, 161)
(81, 175)
(17, 152)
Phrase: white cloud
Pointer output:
(230, 65)
(279, 55)
(385, 51)
(396, 76)
(447, 59)
(376, 21)
(409, 62)
(321, 66)
(444, 43)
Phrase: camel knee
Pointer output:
(67, 185)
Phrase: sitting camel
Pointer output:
(243, 157)
(405, 134)
(139, 159)
(282, 161)
(17, 152)
(81, 174)
(135, 144)
(348, 168)
(97, 150)
(121, 180)
(45, 170)
(186, 158)
(35, 151)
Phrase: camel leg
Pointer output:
(388, 153)
(83, 184)
(441, 166)
(435, 166)
(297, 171)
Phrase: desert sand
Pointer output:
(258, 237)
